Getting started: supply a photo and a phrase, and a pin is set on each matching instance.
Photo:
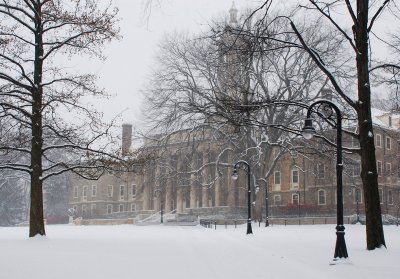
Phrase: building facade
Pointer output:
(190, 173)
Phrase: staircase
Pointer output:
(169, 218)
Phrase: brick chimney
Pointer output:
(126, 138)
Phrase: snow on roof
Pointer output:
(385, 119)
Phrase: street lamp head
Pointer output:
(308, 130)
(235, 174)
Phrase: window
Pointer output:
(295, 178)
(357, 196)
(75, 191)
(321, 170)
(84, 209)
(133, 189)
(276, 185)
(388, 143)
(356, 169)
(121, 208)
(93, 209)
(84, 193)
(75, 207)
(277, 178)
(388, 168)
(133, 207)
(277, 200)
(109, 191)
(381, 196)
(94, 191)
(379, 167)
(390, 197)
(187, 199)
(378, 140)
(121, 192)
(295, 199)
(109, 208)
(321, 197)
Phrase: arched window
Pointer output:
(277, 200)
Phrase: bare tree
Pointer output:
(385, 71)
(363, 16)
(215, 80)
(36, 91)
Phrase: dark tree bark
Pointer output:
(369, 174)
(35, 92)
(36, 223)
(358, 59)
(362, 25)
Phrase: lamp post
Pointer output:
(326, 110)
(235, 176)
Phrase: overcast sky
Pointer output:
(129, 61)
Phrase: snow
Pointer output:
(129, 251)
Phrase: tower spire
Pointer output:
(233, 14)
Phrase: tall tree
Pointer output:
(363, 17)
(214, 80)
(37, 91)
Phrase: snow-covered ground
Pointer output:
(194, 252)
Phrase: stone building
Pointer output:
(189, 176)
(306, 185)
(111, 196)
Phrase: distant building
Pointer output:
(112, 196)
(189, 176)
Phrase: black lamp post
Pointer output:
(235, 176)
(326, 109)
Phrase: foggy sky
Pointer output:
(129, 60)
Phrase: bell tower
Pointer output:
(234, 59)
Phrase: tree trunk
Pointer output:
(369, 175)
(36, 222)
